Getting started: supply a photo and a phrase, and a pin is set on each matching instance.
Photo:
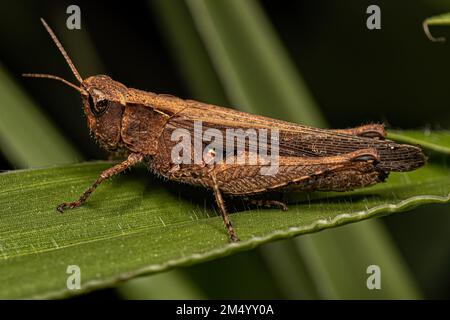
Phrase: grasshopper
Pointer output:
(140, 125)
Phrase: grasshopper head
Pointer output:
(103, 99)
(103, 106)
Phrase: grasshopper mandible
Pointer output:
(140, 124)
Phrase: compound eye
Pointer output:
(98, 107)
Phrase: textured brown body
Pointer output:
(146, 121)
(139, 125)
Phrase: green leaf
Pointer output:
(253, 65)
(135, 224)
(44, 146)
(433, 140)
(187, 50)
(173, 285)
(440, 20)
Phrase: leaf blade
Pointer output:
(134, 225)
(17, 112)
(439, 20)
(433, 140)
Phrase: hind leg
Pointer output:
(343, 179)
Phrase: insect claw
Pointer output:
(61, 207)
(67, 205)
(279, 204)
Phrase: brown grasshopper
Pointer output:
(140, 125)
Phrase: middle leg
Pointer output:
(223, 210)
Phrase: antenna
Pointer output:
(50, 76)
(68, 60)
(63, 52)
